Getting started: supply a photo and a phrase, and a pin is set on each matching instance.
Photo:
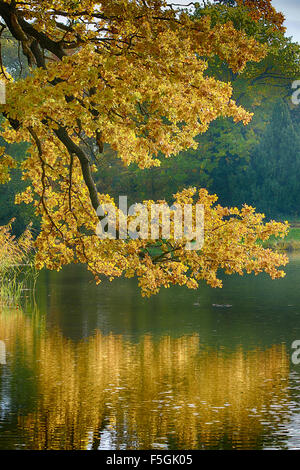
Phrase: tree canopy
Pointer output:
(130, 74)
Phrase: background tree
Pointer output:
(276, 165)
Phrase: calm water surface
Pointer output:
(101, 368)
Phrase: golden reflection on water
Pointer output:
(108, 391)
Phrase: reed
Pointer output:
(16, 266)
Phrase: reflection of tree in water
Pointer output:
(2, 352)
(169, 392)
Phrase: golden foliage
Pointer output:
(264, 9)
(130, 74)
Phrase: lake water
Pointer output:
(102, 368)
